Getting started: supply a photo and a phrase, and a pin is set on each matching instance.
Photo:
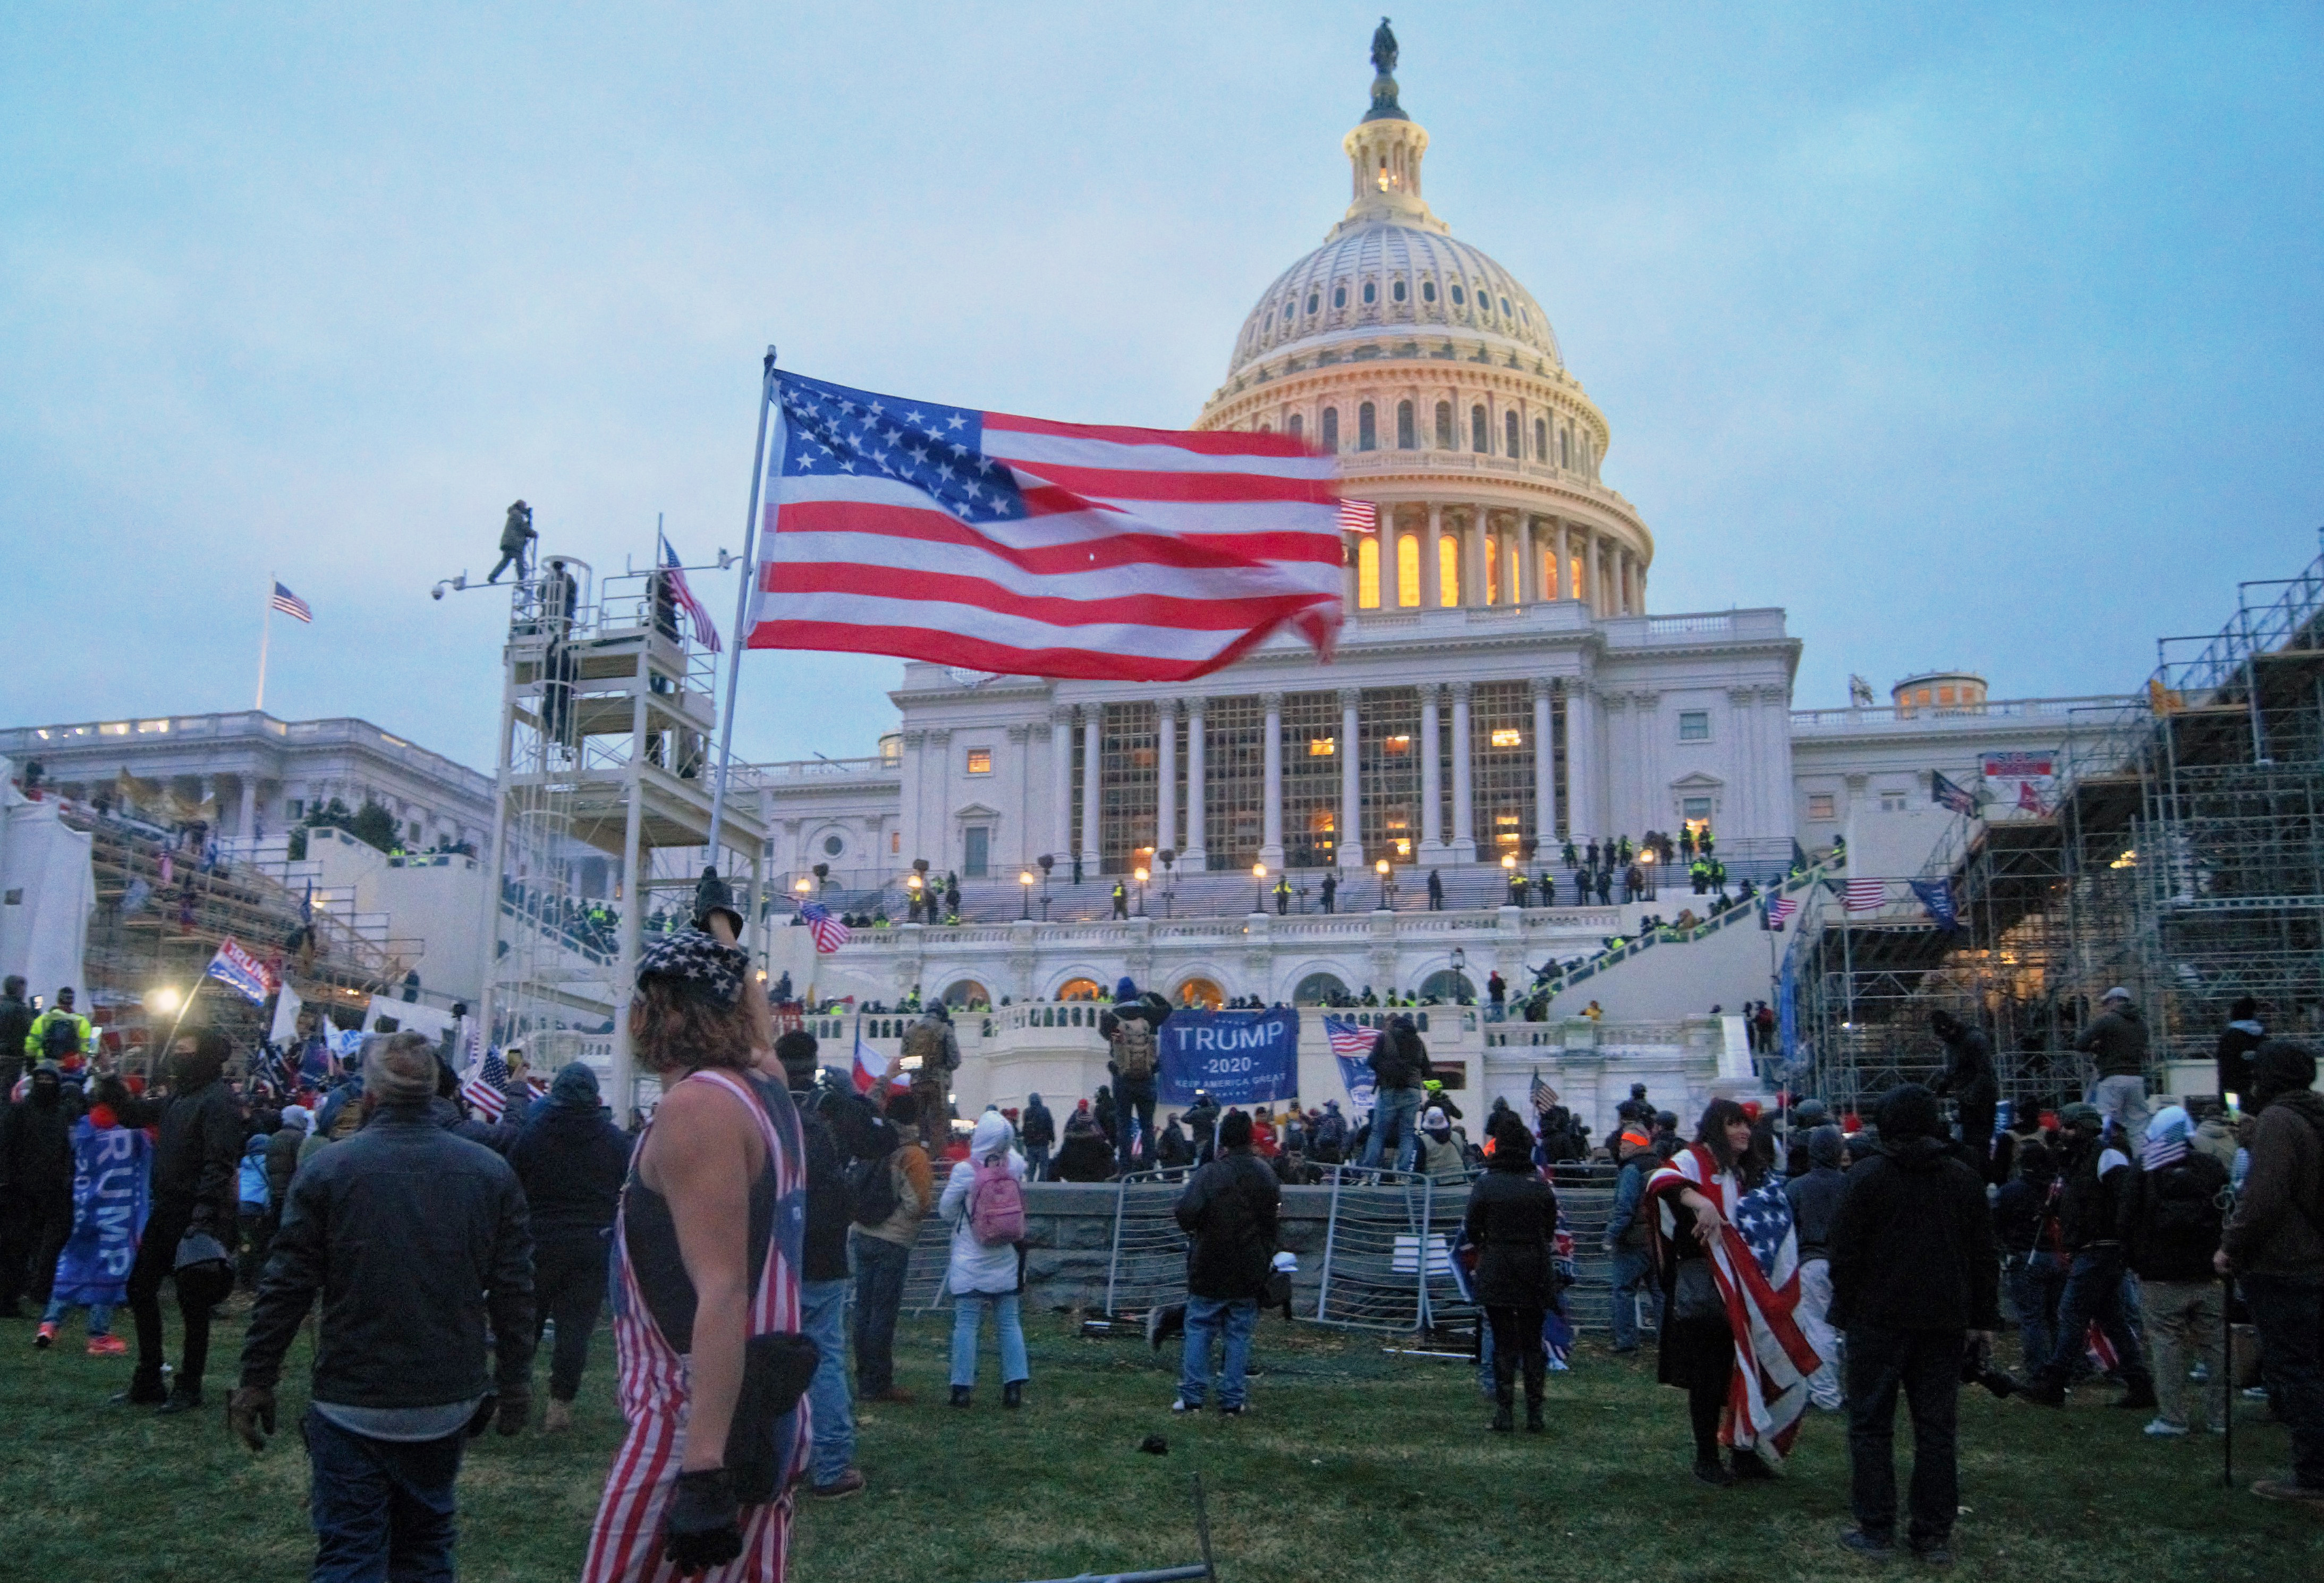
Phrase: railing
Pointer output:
(2282, 622)
(1876, 717)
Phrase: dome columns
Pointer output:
(1438, 554)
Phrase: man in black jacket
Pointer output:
(196, 1165)
(36, 1189)
(1912, 1276)
(15, 1027)
(413, 1239)
(2089, 1223)
(2170, 1221)
(1229, 1209)
(823, 1273)
(1400, 1063)
(1037, 1131)
(571, 1160)
(1969, 1079)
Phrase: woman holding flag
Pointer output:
(1728, 1337)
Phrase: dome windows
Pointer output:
(1296, 426)
(1481, 434)
(1367, 428)
(1444, 425)
(1371, 293)
(1331, 428)
(1340, 295)
(1315, 300)
(1406, 440)
(1505, 308)
(1541, 440)
(1460, 299)
(1397, 291)
(1509, 441)
(1287, 307)
(1428, 290)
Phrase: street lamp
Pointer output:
(912, 907)
(1461, 992)
(1046, 861)
(1025, 891)
(1140, 875)
(1388, 886)
(1646, 869)
(1259, 887)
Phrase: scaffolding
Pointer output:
(605, 751)
(2179, 855)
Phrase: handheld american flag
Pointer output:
(705, 631)
(829, 932)
(1031, 548)
(482, 1089)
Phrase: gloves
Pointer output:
(702, 1527)
(250, 1414)
(515, 1408)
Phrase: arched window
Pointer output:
(1492, 567)
(1397, 291)
(1448, 570)
(1407, 570)
(1459, 299)
(1340, 296)
(1203, 993)
(1078, 989)
(1428, 290)
(1331, 427)
(1371, 293)
(1296, 425)
(1405, 437)
(1444, 425)
(1509, 434)
(1505, 308)
(1319, 989)
(1480, 437)
(1565, 448)
(1541, 440)
(1447, 984)
(1368, 592)
(966, 992)
(1315, 300)
(1367, 428)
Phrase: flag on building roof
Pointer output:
(1867, 895)
(1957, 797)
(291, 604)
(829, 932)
(239, 970)
(482, 1088)
(1033, 548)
(705, 631)
(1937, 896)
(1359, 516)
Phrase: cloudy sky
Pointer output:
(1984, 336)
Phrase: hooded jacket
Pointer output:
(572, 1161)
(1815, 1195)
(1512, 1218)
(2278, 1228)
(975, 1267)
(197, 1157)
(15, 1025)
(1230, 1210)
(2237, 1042)
(1399, 1059)
(1912, 1246)
(36, 1159)
(2116, 1041)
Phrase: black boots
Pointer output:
(1504, 1414)
(1504, 1369)
(1534, 1424)
(1536, 1370)
(960, 1394)
(1012, 1394)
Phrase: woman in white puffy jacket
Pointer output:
(982, 1275)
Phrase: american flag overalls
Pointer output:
(625, 1544)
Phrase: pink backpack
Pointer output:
(996, 1203)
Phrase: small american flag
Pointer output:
(1781, 909)
(1359, 516)
(1350, 1040)
(829, 932)
(482, 1089)
(705, 631)
(1867, 895)
(291, 604)
(1542, 1095)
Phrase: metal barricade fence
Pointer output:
(1378, 1247)
(924, 1276)
(1147, 1264)
(1441, 1305)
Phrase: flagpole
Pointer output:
(265, 628)
(741, 608)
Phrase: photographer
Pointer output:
(1912, 1278)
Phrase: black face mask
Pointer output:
(46, 1092)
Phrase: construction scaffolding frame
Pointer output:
(2179, 855)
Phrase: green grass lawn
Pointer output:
(1350, 1466)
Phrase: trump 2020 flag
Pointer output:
(239, 970)
(1037, 549)
(1937, 896)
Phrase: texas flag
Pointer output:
(870, 1065)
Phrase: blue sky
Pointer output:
(1973, 336)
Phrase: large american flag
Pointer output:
(1350, 1043)
(1031, 548)
(1867, 895)
(705, 631)
(1754, 1265)
(482, 1089)
(829, 932)
(291, 604)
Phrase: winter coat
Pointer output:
(2089, 1207)
(1512, 1219)
(1912, 1246)
(2236, 1042)
(916, 1190)
(2278, 1228)
(1399, 1059)
(36, 1158)
(1230, 1210)
(977, 1267)
(1041, 1128)
(1968, 1069)
(572, 1161)
(282, 1162)
(1815, 1203)
(195, 1158)
(2157, 1207)
(2116, 1041)
(15, 1027)
(2017, 1212)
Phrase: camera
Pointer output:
(1976, 1369)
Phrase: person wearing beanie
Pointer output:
(2090, 1225)
(36, 1189)
(1230, 1211)
(2116, 1040)
(2239, 1041)
(196, 1162)
(2273, 1244)
(2170, 1224)
(1511, 1220)
(1629, 1240)
(571, 1159)
(417, 1245)
(1440, 1153)
(1815, 1196)
(1914, 1282)
(823, 1270)
(982, 1274)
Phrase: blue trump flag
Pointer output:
(1937, 896)
(1242, 1058)
(111, 1199)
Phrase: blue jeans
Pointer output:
(100, 1315)
(382, 1509)
(2093, 1295)
(2037, 1281)
(968, 1323)
(1205, 1316)
(2289, 1310)
(1633, 1275)
(1133, 1095)
(880, 1266)
(1037, 1162)
(823, 1315)
(1396, 1109)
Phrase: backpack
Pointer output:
(996, 1203)
(2184, 1222)
(1331, 1136)
(1133, 1048)
(60, 1038)
(872, 1185)
(925, 1041)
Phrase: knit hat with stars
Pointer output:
(697, 963)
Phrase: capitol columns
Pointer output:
(1093, 761)
(1270, 839)
(1166, 779)
(1582, 813)
(1464, 833)
(1544, 767)
(1432, 775)
(1061, 781)
(1565, 584)
(1432, 592)
(1528, 587)
(1350, 847)
(1197, 856)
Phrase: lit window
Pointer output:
(1428, 290)
(1372, 292)
(1322, 747)
(1407, 569)
(1507, 737)
(1397, 291)
(980, 761)
(1338, 296)
(1368, 572)
(1448, 570)
(1695, 810)
(895, 842)
(1694, 726)
(1819, 805)
(1945, 695)
(1399, 744)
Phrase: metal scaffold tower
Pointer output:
(607, 721)
(2179, 855)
